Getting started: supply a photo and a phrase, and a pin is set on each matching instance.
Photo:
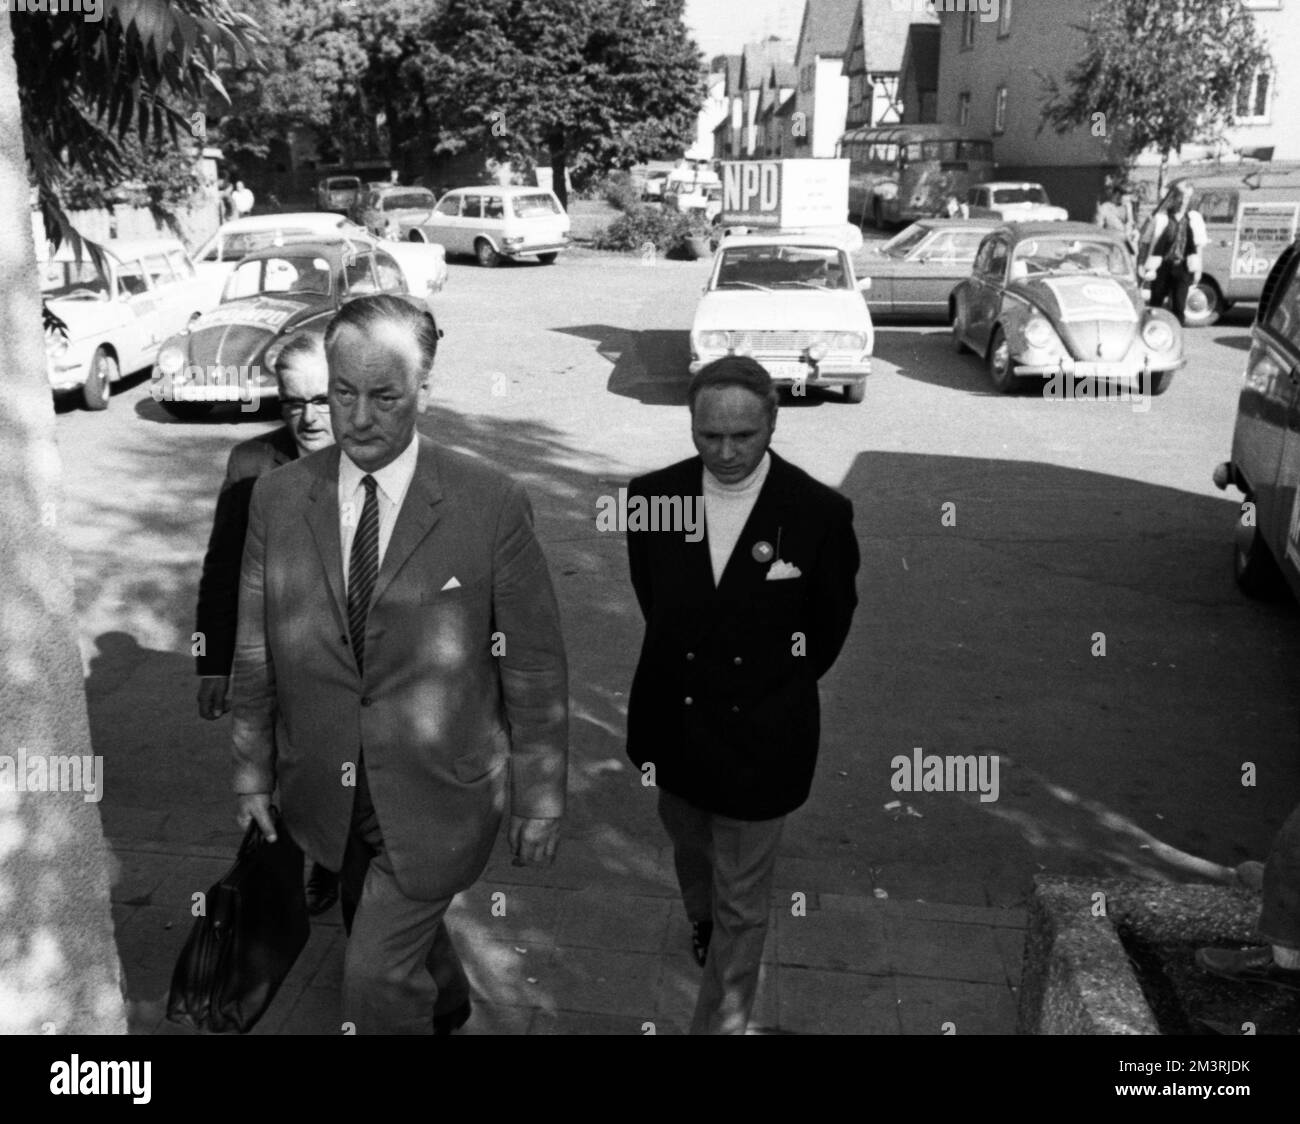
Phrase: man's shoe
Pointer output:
(1249, 965)
(454, 1019)
(322, 889)
(701, 934)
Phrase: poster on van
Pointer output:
(1264, 230)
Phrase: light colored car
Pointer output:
(652, 188)
(117, 321)
(1052, 299)
(793, 303)
(424, 264)
(395, 212)
(500, 222)
(337, 193)
(1013, 202)
(702, 193)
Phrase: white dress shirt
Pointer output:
(726, 510)
(393, 480)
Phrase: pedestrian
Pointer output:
(399, 654)
(301, 376)
(953, 208)
(1177, 239)
(741, 623)
(1277, 960)
(242, 198)
(1115, 211)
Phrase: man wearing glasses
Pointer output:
(303, 378)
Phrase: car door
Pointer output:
(141, 324)
(984, 292)
(184, 294)
(922, 282)
(446, 221)
(471, 222)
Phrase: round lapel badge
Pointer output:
(762, 552)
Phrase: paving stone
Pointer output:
(929, 882)
(821, 875)
(818, 1002)
(926, 1005)
(486, 1018)
(133, 876)
(1011, 947)
(595, 919)
(585, 1022)
(582, 865)
(316, 1012)
(505, 976)
(942, 950)
(603, 982)
(833, 940)
(531, 914)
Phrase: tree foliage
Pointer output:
(1163, 73)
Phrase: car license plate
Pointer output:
(796, 372)
(1101, 371)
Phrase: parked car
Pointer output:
(1250, 218)
(1013, 202)
(652, 190)
(424, 265)
(793, 303)
(337, 193)
(913, 274)
(1265, 462)
(1049, 297)
(229, 354)
(396, 212)
(693, 194)
(116, 319)
(500, 222)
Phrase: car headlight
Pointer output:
(817, 350)
(849, 341)
(714, 341)
(171, 360)
(1038, 332)
(1157, 335)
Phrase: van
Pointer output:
(1250, 218)
(1265, 464)
(500, 222)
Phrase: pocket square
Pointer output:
(783, 571)
(452, 583)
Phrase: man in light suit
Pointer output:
(740, 626)
(399, 658)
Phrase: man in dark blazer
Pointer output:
(399, 659)
(740, 625)
(303, 378)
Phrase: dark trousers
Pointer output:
(1172, 281)
(725, 869)
(1279, 922)
(401, 967)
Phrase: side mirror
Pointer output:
(864, 284)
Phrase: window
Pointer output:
(359, 275)
(997, 263)
(131, 280)
(963, 108)
(389, 273)
(1252, 106)
(472, 207)
(968, 28)
(1216, 204)
(1004, 19)
(450, 205)
(160, 273)
(181, 266)
(984, 257)
(1000, 110)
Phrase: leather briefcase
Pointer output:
(254, 926)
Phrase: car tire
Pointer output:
(957, 329)
(855, 391)
(1160, 382)
(1204, 306)
(98, 388)
(416, 236)
(488, 258)
(998, 364)
(1254, 568)
(548, 259)
(188, 411)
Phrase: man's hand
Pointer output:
(257, 806)
(212, 695)
(533, 841)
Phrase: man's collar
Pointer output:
(392, 479)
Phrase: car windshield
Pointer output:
(902, 244)
(290, 273)
(409, 201)
(239, 244)
(1071, 255)
(347, 183)
(77, 279)
(783, 267)
(532, 206)
(1019, 195)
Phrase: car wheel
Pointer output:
(416, 236)
(188, 411)
(1253, 566)
(104, 372)
(548, 259)
(1160, 382)
(957, 329)
(487, 256)
(1204, 305)
(875, 215)
(855, 391)
(999, 364)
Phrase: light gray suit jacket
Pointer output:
(458, 681)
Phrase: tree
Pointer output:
(586, 85)
(1157, 74)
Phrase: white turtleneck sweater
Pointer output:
(726, 508)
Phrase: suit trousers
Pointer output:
(725, 869)
(401, 967)
(1172, 282)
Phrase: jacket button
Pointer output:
(737, 661)
(688, 700)
(365, 700)
(343, 640)
(735, 710)
(690, 655)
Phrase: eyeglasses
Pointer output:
(299, 405)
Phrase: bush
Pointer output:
(631, 231)
(618, 190)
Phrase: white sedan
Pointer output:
(424, 264)
(793, 303)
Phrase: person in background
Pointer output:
(1177, 239)
(302, 375)
(1115, 211)
(242, 198)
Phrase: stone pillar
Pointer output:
(59, 970)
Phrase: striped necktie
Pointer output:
(363, 570)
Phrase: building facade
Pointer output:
(822, 91)
(873, 59)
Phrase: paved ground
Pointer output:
(1072, 519)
